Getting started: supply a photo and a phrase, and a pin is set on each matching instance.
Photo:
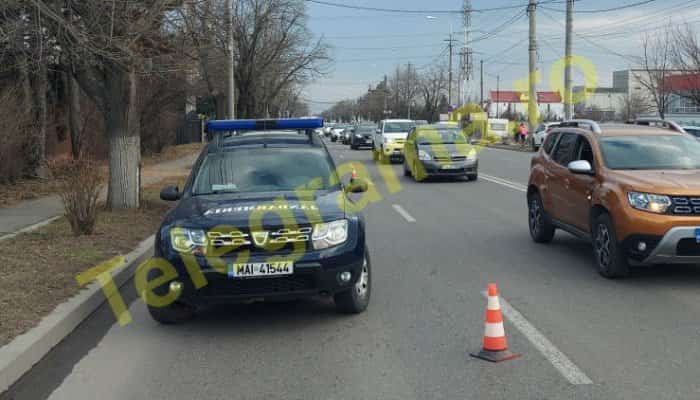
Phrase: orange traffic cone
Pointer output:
(353, 175)
(495, 348)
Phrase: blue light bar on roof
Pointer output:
(264, 124)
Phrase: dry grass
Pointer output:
(38, 269)
(30, 189)
(173, 153)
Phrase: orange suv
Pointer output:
(633, 191)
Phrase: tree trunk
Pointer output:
(123, 131)
(38, 155)
(73, 92)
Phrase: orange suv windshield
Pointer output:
(649, 152)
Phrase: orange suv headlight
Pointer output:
(654, 203)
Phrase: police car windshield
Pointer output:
(248, 170)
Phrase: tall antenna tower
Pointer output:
(467, 53)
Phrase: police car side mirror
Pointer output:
(170, 193)
(357, 185)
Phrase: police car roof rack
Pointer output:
(583, 124)
(226, 128)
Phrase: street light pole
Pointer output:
(532, 93)
(230, 62)
(568, 73)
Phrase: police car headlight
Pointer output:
(189, 241)
(424, 156)
(329, 234)
(471, 156)
(358, 136)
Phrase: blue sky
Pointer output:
(368, 44)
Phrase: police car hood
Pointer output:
(245, 209)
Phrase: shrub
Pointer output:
(79, 189)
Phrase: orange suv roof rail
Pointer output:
(583, 124)
(659, 123)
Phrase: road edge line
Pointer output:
(23, 352)
(503, 182)
(570, 371)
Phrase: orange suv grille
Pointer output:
(686, 205)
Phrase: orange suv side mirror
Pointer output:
(581, 167)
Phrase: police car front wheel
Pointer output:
(356, 300)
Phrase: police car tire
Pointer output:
(406, 171)
(172, 314)
(348, 302)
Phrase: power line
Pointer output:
(405, 11)
(641, 3)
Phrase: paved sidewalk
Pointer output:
(28, 213)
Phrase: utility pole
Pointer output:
(231, 62)
(386, 94)
(532, 93)
(482, 83)
(466, 50)
(498, 96)
(409, 91)
(450, 42)
(568, 73)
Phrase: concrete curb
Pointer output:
(511, 148)
(30, 227)
(20, 355)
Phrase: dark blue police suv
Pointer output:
(264, 215)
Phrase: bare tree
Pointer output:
(632, 106)
(113, 44)
(275, 51)
(433, 89)
(657, 66)
(686, 52)
(28, 49)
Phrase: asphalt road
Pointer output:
(434, 248)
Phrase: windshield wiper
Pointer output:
(216, 192)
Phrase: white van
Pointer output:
(498, 127)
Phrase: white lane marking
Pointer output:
(559, 360)
(403, 213)
(503, 182)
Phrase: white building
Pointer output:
(514, 105)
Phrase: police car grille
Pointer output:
(685, 205)
(238, 240)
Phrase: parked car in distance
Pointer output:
(633, 191)
(420, 122)
(336, 132)
(692, 130)
(541, 133)
(362, 136)
(347, 134)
